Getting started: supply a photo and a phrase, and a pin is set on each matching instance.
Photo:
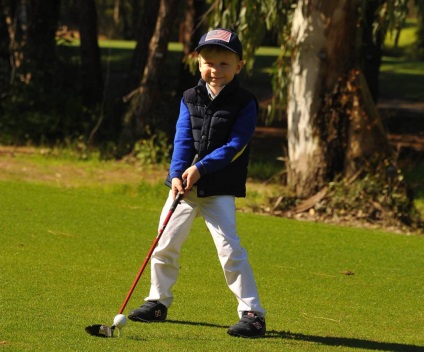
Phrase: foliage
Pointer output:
(378, 196)
(252, 20)
(31, 114)
(42, 103)
(154, 149)
(42, 117)
(391, 17)
(372, 198)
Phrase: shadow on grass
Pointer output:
(412, 84)
(346, 342)
(195, 323)
(323, 340)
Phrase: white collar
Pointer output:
(211, 95)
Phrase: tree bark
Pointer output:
(371, 49)
(192, 32)
(40, 50)
(148, 15)
(91, 69)
(333, 125)
(5, 54)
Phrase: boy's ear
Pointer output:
(198, 57)
(240, 66)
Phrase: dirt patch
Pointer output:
(18, 164)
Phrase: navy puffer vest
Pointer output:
(211, 123)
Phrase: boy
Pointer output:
(216, 122)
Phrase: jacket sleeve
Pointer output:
(183, 153)
(240, 135)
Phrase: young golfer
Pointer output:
(216, 122)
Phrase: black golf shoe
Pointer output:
(151, 311)
(250, 325)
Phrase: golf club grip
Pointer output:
(180, 196)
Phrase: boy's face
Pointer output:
(218, 67)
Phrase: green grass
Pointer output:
(401, 68)
(407, 36)
(69, 256)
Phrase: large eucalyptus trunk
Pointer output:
(333, 126)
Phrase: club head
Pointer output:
(100, 330)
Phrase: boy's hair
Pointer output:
(223, 38)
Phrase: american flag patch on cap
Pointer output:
(218, 34)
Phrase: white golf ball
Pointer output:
(120, 321)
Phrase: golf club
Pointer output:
(120, 319)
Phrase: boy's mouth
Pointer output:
(216, 79)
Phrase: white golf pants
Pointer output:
(219, 215)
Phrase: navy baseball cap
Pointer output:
(222, 37)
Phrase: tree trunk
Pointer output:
(5, 54)
(91, 69)
(148, 94)
(148, 15)
(371, 50)
(420, 31)
(40, 51)
(192, 32)
(333, 125)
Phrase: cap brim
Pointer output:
(200, 47)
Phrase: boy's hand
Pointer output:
(191, 176)
(177, 187)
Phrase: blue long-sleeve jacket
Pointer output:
(218, 131)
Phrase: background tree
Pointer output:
(91, 69)
(420, 33)
(192, 30)
(33, 59)
(139, 114)
(5, 67)
(91, 77)
(40, 49)
(372, 45)
(147, 16)
(43, 103)
(333, 127)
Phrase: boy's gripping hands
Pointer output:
(190, 177)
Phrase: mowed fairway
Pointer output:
(69, 256)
